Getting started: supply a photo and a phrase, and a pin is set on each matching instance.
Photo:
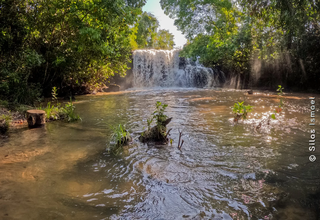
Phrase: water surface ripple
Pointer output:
(225, 171)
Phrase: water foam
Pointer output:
(152, 68)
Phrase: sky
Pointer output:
(153, 6)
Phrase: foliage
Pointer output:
(147, 30)
(4, 123)
(120, 134)
(63, 44)
(52, 112)
(148, 35)
(241, 110)
(57, 112)
(4, 103)
(159, 132)
(69, 113)
(54, 94)
(159, 115)
(280, 90)
(281, 104)
(276, 39)
(164, 40)
(121, 137)
(7, 118)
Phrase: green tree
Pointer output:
(62, 43)
(279, 34)
(147, 30)
(164, 40)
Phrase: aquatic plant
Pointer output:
(52, 113)
(69, 113)
(158, 132)
(159, 116)
(281, 104)
(120, 136)
(57, 112)
(241, 111)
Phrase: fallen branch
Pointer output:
(180, 135)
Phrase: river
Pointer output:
(224, 170)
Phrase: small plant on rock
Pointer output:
(159, 115)
(241, 111)
(159, 132)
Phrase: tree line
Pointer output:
(260, 43)
(70, 44)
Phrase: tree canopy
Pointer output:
(62, 43)
(280, 35)
(148, 34)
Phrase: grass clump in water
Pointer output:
(120, 137)
(241, 111)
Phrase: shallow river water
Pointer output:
(224, 171)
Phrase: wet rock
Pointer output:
(156, 134)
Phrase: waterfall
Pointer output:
(165, 68)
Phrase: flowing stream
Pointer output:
(224, 171)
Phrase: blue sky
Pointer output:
(153, 6)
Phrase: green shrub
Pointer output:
(69, 113)
(241, 111)
(52, 113)
(4, 103)
(4, 123)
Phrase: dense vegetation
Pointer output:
(148, 35)
(71, 45)
(256, 42)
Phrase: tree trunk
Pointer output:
(36, 118)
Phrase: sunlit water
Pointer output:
(225, 171)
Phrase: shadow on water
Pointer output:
(224, 171)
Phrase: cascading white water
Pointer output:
(164, 68)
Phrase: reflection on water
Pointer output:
(224, 171)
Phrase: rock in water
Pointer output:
(36, 118)
(156, 134)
